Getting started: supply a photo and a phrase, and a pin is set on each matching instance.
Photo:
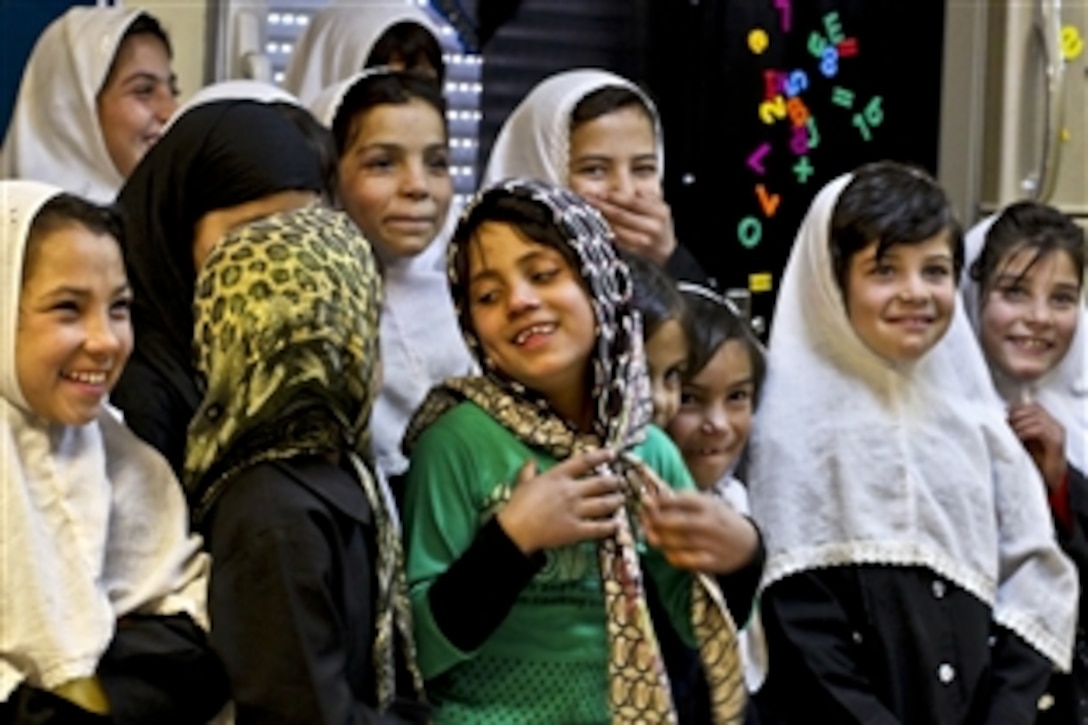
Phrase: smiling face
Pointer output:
(901, 303)
(1029, 313)
(136, 100)
(666, 357)
(531, 314)
(715, 417)
(394, 177)
(74, 333)
(615, 153)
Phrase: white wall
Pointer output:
(185, 21)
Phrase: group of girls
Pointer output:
(283, 446)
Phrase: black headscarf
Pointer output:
(214, 156)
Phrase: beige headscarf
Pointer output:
(94, 522)
(339, 38)
(534, 141)
(855, 460)
(54, 135)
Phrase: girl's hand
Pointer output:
(699, 532)
(563, 506)
(642, 224)
(1044, 438)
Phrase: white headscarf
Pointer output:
(94, 523)
(421, 342)
(339, 38)
(857, 461)
(235, 89)
(54, 135)
(1062, 392)
(534, 141)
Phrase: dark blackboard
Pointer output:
(763, 101)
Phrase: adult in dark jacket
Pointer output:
(307, 597)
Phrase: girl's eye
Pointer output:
(487, 298)
(545, 275)
(439, 163)
(882, 270)
(1065, 300)
(66, 307)
(673, 376)
(645, 170)
(739, 396)
(379, 164)
(121, 308)
(937, 271)
(1013, 293)
(595, 171)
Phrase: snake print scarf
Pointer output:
(638, 684)
(286, 339)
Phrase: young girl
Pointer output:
(563, 635)
(102, 588)
(599, 135)
(393, 179)
(912, 573)
(95, 95)
(308, 604)
(695, 531)
(718, 395)
(666, 331)
(1025, 299)
(343, 39)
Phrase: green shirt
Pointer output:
(548, 660)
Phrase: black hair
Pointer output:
(714, 322)
(605, 100)
(411, 45)
(380, 89)
(66, 210)
(319, 139)
(530, 217)
(890, 203)
(654, 294)
(1027, 225)
(142, 24)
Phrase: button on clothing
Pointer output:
(916, 659)
(938, 589)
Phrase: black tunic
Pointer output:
(1066, 702)
(291, 595)
(890, 644)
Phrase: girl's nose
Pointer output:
(164, 105)
(522, 298)
(1039, 312)
(413, 180)
(913, 289)
(621, 183)
(103, 339)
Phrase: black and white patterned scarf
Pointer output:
(622, 410)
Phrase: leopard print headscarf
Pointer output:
(286, 339)
(623, 408)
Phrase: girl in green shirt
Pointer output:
(524, 558)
